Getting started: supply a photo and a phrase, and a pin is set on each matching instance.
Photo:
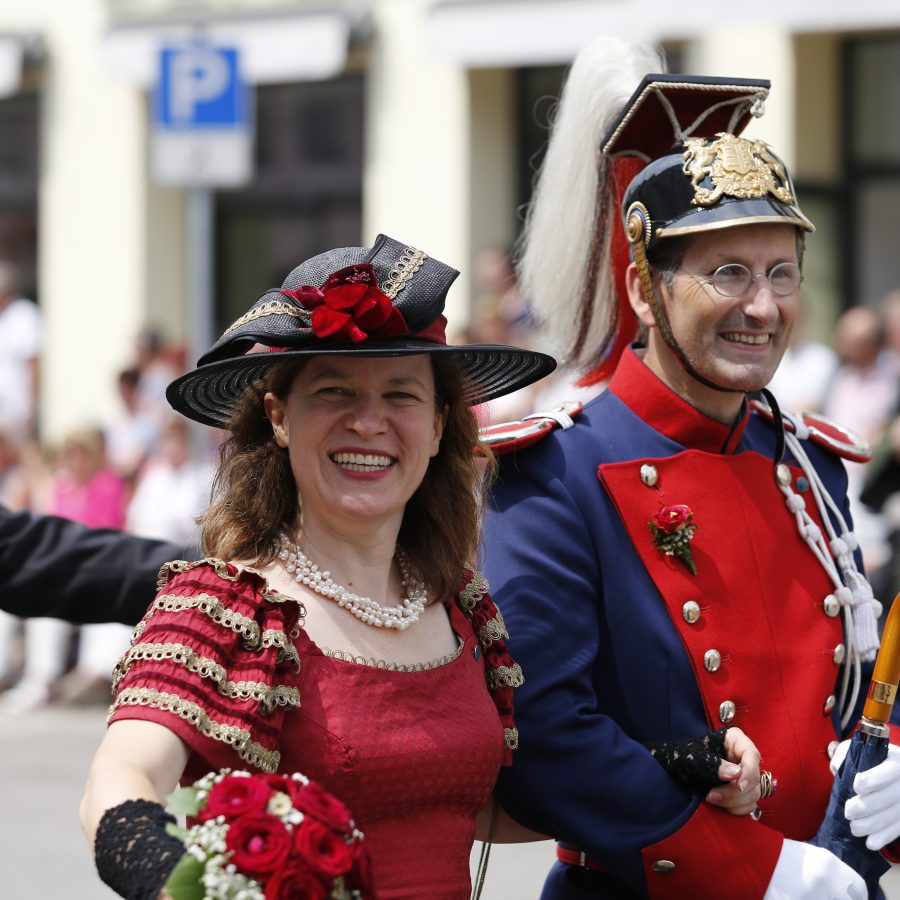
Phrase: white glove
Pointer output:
(874, 813)
(840, 753)
(805, 872)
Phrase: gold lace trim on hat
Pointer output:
(402, 271)
(248, 750)
(268, 696)
(270, 308)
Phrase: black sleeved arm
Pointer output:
(51, 566)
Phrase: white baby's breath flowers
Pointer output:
(222, 881)
(207, 838)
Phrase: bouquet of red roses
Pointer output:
(266, 837)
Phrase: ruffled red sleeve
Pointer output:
(502, 672)
(214, 661)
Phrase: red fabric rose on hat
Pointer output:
(350, 305)
(259, 844)
(234, 796)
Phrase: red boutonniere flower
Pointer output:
(672, 529)
(350, 305)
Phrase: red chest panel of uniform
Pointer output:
(752, 619)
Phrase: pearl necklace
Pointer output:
(298, 565)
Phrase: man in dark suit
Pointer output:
(51, 566)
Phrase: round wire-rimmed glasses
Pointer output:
(734, 279)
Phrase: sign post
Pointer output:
(202, 124)
(202, 139)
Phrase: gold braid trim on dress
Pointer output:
(275, 637)
(473, 593)
(508, 676)
(390, 666)
(216, 610)
(493, 630)
(254, 638)
(474, 598)
(177, 566)
(139, 629)
(268, 697)
(249, 751)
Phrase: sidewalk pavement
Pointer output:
(44, 756)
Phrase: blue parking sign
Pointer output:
(202, 132)
(200, 87)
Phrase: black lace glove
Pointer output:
(693, 762)
(134, 855)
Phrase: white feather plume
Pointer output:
(556, 242)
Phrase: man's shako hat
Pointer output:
(700, 174)
(668, 158)
(352, 301)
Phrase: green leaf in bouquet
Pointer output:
(177, 832)
(185, 881)
(183, 801)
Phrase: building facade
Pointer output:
(423, 119)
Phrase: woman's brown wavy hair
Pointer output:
(255, 494)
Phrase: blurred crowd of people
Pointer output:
(148, 470)
(142, 468)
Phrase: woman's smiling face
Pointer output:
(360, 432)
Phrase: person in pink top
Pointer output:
(85, 488)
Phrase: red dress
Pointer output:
(223, 662)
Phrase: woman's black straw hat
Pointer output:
(383, 301)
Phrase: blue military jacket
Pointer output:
(622, 644)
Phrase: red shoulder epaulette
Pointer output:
(508, 436)
(822, 431)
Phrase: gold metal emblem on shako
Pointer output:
(737, 167)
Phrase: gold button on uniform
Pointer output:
(712, 659)
(649, 475)
(726, 711)
(830, 700)
(839, 653)
(663, 866)
(831, 605)
(691, 611)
